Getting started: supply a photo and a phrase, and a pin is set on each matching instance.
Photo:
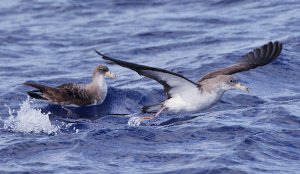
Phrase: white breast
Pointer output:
(102, 86)
(99, 88)
(192, 100)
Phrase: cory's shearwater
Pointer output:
(185, 95)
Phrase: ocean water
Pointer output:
(53, 42)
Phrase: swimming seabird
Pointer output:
(185, 95)
(72, 94)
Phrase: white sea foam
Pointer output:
(29, 120)
(134, 121)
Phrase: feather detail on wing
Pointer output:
(258, 57)
(74, 91)
(172, 82)
(65, 94)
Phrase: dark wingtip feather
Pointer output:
(278, 51)
(40, 87)
(100, 53)
(258, 57)
(263, 55)
(34, 94)
(108, 59)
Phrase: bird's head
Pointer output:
(228, 82)
(103, 70)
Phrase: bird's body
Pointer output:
(193, 97)
(185, 95)
(195, 100)
(73, 94)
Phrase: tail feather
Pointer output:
(40, 87)
(36, 95)
(152, 108)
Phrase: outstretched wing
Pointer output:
(258, 57)
(172, 82)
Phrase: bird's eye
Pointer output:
(233, 81)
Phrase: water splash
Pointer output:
(29, 120)
(134, 121)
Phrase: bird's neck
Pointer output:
(220, 93)
(212, 91)
(98, 82)
(212, 87)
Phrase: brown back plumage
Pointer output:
(65, 94)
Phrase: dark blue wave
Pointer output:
(53, 42)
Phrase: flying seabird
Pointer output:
(72, 94)
(185, 95)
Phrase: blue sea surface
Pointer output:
(53, 42)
